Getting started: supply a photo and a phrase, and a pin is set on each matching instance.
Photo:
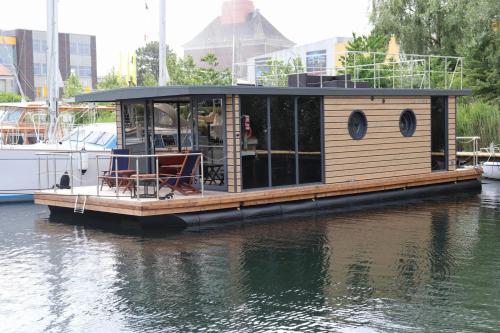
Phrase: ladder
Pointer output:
(80, 204)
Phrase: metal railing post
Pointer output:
(446, 72)
(55, 174)
(71, 170)
(47, 170)
(137, 178)
(117, 190)
(157, 178)
(202, 177)
(39, 174)
(97, 168)
(374, 69)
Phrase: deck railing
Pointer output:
(131, 181)
(53, 165)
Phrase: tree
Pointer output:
(72, 86)
(450, 28)
(112, 80)
(367, 50)
(147, 62)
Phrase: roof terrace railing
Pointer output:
(358, 69)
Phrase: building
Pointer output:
(240, 27)
(7, 80)
(25, 53)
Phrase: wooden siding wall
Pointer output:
(233, 144)
(452, 155)
(384, 152)
(119, 132)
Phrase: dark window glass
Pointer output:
(282, 140)
(309, 130)
(357, 125)
(407, 122)
(254, 147)
(439, 147)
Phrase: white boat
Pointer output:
(491, 170)
(27, 168)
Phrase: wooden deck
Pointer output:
(212, 200)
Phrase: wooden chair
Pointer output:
(119, 168)
(183, 180)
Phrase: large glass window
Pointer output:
(210, 139)
(282, 141)
(254, 148)
(288, 130)
(134, 127)
(439, 146)
(316, 61)
(309, 139)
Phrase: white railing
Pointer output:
(130, 181)
(475, 147)
(376, 69)
(134, 179)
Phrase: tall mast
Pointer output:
(52, 66)
(163, 74)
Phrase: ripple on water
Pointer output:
(427, 265)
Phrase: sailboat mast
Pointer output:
(163, 73)
(52, 66)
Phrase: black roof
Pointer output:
(255, 28)
(173, 91)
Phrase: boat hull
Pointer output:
(491, 170)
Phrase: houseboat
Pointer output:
(262, 151)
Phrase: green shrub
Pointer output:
(8, 97)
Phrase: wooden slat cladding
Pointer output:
(119, 132)
(384, 152)
(452, 153)
(233, 144)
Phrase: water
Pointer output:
(431, 266)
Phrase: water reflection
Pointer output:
(429, 265)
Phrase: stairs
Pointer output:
(80, 202)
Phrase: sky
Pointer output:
(121, 26)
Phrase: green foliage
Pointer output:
(149, 80)
(106, 117)
(72, 86)
(9, 97)
(479, 119)
(112, 80)
(181, 71)
(376, 49)
(483, 66)
(278, 71)
(185, 72)
(147, 62)
(450, 28)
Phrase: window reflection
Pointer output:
(438, 133)
(282, 113)
(309, 131)
(254, 152)
(210, 139)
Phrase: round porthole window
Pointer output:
(407, 122)
(357, 125)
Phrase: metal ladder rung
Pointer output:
(80, 206)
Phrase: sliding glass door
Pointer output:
(281, 140)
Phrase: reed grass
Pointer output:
(475, 118)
